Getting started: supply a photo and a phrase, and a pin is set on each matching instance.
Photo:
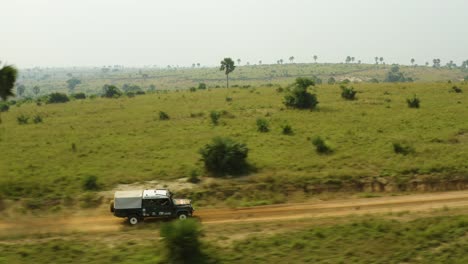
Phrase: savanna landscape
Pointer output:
(360, 160)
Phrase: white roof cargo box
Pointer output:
(155, 194)
(127, 199)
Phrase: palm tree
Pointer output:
(315, 58)
(8, 76)
(376, 60)
(412, 61)
(348, 59)
(281, 61)
(198, 65)
(381, 59)
(238, 61)
(291, 59)
(260, 62)
(36, 90)
(352, 59)
(227, 65)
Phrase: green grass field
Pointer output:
(123, 141)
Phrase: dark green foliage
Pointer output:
(331, 80)
(228, 99)
(37, 119)
(127, 88)
(401, 148)
(394, 75)
(457, 89)
(193, 178)
(214, 116)
(55, 98)
(225, 156)
(316, 80)
(193, 89)
(4, 107)
(321, 146)
(227, 65)
(413, 102)
(374, 80)
(262, 125)
(20, 90)
(345, 81)
(466, 78)
(8, 76)
(22, 119)
(286, 129)
(72, 83)
(299, 97)
(140, 92)
(130, 94)
(201, 86)
(73, 147)
(90, 183)
(181, 242)
(111, 91)
(279, 90)
(79, 96)
(348, 93)
(163, 116)
(36, 90)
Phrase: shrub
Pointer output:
(37, 119)
(374, 80)
(79, 96)
(348, 93)
(4, 107)
(286, 129)
(181, 242)
(262, 125)
(55, 98)
(225, 156)
(457, 89)
(163, 116)
(394, 75)
(193, 178)
(413, 102)
(321, 146)
(90, 183)
(193, 89)
(279, 90)
(466, 78)
(130, 94)
(299, 97)
(201, 86)
(214, 116)
(400, 148)
(111, 91)
(331, 80)
(22, 119)
(228, 99)
(140, 92)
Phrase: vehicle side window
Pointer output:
(150, 202)
(163, 202)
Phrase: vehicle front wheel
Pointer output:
(182, 216)
(133, 220)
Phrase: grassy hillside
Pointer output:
(123, 140)
(92, 79)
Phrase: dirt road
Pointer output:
(103, 221)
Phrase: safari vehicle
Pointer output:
(159, 203)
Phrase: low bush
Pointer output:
(321, 146)
(181, 242)
(90, 183)
(4, 107)
(225, 156)
(163, 116)
(37, 119)
(228, 99)
(348, 93)
(331, 80)
(111, 91)
(193, 89)
(457, 89)
(22, 119)
(401, 148)
(201, 86)
(262, 125)
(214, 116)
(286, 129)
(79, 96)
(55, 98)
(413, 102)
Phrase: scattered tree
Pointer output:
(394, 75)
(36, 90)
(412, 61)
(72, 83)
(299, 97)
(55, 98)
(315, 58)
(227, 65)
(20, 90)
(201, 86)
(348, 93)
(262, 125)
(331, 80)
(225, 156)
(291, 59)
(8, 76)
(111, 91)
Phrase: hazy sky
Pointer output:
(182, 32)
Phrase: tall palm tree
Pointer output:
(381, 59)
(291, 59)
(315, 58)
(412, 61)
(227, 65)
(260, 62)
(8, 76)
(238, 61)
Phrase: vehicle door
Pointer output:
(165, 207)
(150, 207)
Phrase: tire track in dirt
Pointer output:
(105, 222)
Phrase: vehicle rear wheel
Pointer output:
(182, 216)
(133, 220)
